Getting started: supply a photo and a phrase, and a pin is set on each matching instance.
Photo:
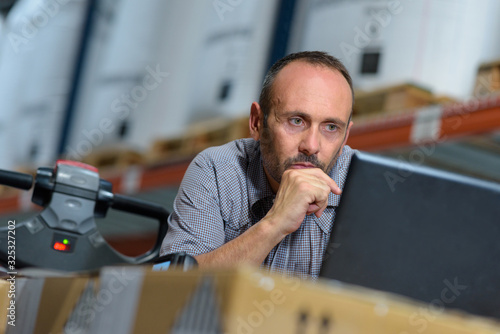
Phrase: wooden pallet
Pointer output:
(397, 98)
(487, 79)
(113, 156)
(198, 136)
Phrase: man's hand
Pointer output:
(301, 192)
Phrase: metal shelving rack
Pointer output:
(377, 133)
(457, 120)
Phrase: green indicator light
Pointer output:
(65, 241)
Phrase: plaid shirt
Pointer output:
(225, 191)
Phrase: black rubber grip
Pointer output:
(16, 180)
(140, 207)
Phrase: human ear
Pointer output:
(255, 122)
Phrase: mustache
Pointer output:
(301, 157)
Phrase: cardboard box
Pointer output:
(4, 304)
(138, 300)
(43, 305)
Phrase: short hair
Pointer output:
(311, 57)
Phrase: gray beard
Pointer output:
(276, 169)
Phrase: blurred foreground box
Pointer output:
(139, 300)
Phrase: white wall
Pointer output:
(234, 51)
(196, 45)
(166, 111)
(39, 48)
(36, 71)
(121, 47)
(438, 44)
(5, 162)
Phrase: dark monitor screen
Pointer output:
(426, 234)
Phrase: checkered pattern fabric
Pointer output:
(225, 191)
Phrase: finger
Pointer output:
(334, 188)
(313, 208)
(318, 206)
(319, 212)
(316, 209)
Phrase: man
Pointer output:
(270, 200)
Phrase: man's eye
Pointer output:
(331, 127)
(296, 121)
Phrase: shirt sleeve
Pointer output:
(196, 225)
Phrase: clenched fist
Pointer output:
(301, 192)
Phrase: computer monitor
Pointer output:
(427, 234)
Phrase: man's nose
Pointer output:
(310, 143)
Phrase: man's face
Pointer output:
(308, 123)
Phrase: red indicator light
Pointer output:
(60, 246)
(63, 243)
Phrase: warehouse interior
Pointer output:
(138, 88)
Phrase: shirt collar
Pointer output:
(339, 173)
(259, 189)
